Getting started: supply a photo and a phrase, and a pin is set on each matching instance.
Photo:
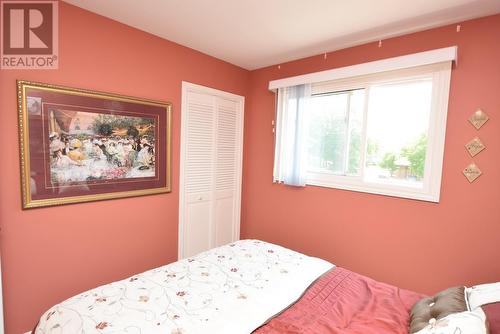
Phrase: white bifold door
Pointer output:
(210, 168)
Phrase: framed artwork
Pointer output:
(78, 145)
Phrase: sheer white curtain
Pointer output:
(291, 135)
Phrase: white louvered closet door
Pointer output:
(211, 152)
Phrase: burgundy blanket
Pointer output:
(492, 312)
(344, 302)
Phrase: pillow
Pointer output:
(487, 298)
(468, 322)
(483, 294)
(435, 308)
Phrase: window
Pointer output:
(380, 133)
(335, 129)
(398, 126)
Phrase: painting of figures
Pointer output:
(97, 146)
(80, 146)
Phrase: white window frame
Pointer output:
(440, 71)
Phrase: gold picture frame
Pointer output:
(79, 145)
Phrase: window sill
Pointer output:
(380, 189)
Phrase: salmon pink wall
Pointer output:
(412, 244)
(50, 254)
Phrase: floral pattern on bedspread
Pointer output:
(230, 289)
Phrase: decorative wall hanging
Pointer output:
(472, 172)
(475, 146)
(478, 119)
(80, 145)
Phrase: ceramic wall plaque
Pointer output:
(478, 119)
(472, 172)
(475, 146)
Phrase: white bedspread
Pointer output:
(232, 289)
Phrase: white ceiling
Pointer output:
(258, 33)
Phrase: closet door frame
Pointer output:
(240, 100)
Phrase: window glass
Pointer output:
(335, 132)
(397, 129)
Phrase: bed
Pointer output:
(249, 286)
